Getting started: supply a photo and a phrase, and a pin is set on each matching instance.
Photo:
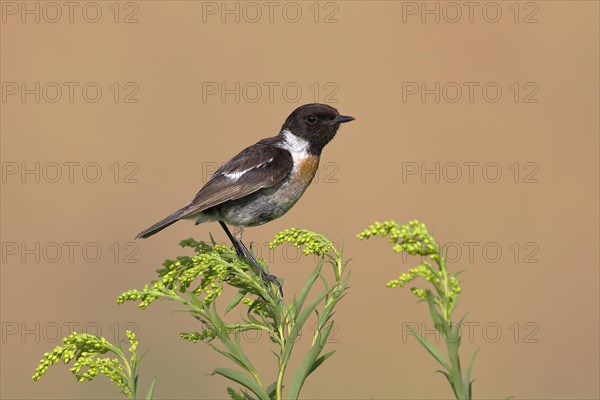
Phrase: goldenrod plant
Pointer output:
(87, 351)
(197, 284)
(441, 297)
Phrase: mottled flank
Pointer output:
(270, 203)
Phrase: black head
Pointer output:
(316, 123)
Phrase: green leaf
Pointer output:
(238, 353)
(272, 390)
(233, 394)
(254, 304)
(468, 373)
(300, 322)
(212, 239)
(435, 316)
(229, 355)
(450, 382)
(459, 324)
(234, 301)
(247, 395)
(150, 393)
(320, 361)
(307, 364)
(196, 303)
(456, 337)
(446, 375)
(252, 319)
(430, 348)
(243, 380)
(309, 283)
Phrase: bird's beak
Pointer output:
(340, 119)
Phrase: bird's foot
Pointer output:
(266, 278)
(243, 252)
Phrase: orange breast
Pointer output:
(307, 168)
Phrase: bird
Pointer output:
(263, 181)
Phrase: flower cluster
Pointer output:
(424, 270)
(420, 293)
(133, 341)
(146, 295)
(195, 337)
(213, 266)
(86, 349)
(110, 367)
(412, 238)
(454, 289)
(74, 345)
(313, 243)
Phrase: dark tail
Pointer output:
(159, 226)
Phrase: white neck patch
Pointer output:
(295, 145)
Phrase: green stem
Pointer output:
(282, 364)
(280, 381)
(133, 384)
(455, 370)
(443, 293)
(131, 371)
(256, 378)
(452, 344)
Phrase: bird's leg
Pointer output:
(243, 252)
(238, 233)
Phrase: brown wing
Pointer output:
(259, 166)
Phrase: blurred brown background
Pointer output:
(480, 120)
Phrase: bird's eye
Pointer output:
(311, 119)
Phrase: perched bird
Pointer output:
(264, 180)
